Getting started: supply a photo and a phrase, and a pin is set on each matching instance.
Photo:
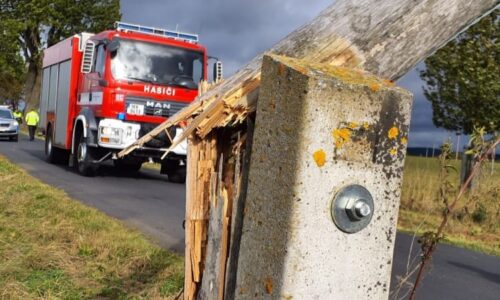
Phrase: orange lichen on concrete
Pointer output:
(393, 132)
(389, 82)
(375, 87)
(366, 126)
(393, 151)
(319, 157)
(353, 125)
(345, 74)
(269, 285)
(341, 136)
(404, 140)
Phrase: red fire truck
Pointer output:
(101, 92)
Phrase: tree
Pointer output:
(463, 79)
(42, 23)
(11, 65)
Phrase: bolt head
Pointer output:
(362, 209)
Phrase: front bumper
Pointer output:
(117, 135)
(9, 131)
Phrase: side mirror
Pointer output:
(218, 72)
(113, 46)
(103, 82)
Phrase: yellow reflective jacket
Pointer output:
(17, 115)
(32, 118)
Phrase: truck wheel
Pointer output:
(178, 176)
(175, 172)
(54, 155)
(84, 158)
(127, 166)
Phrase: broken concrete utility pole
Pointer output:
(384, 37)
(323, 185)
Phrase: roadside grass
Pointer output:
(476, 223)
(53, 247)
(152, 166)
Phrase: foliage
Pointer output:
(11, 64)
(463, 79)
(37, 24)
(431, 239)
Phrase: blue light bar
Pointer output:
(188, 37)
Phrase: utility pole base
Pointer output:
(321, 130)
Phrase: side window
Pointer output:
(100, 60)
(197, 70)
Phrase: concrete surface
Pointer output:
(319, 129)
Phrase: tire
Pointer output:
(127, 166)
(178, 176)
(54, 155)
(175, 172)
(84, 158)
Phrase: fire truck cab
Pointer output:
(101, 92)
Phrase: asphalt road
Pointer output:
(148, 202)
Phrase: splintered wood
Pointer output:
(202, 157)
(213, 183)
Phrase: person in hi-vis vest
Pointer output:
(18, 116)
(32, 120)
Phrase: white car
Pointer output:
(9, 127)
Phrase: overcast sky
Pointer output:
(236, 31)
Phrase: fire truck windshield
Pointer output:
(157, 63)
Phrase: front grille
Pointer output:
(4, 125)
(153, 107)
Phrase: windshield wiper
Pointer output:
(142, 79)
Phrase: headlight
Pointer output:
(110, 135)
(116, 133)
(110, 131)
(14, 123)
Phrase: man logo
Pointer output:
(158, 105)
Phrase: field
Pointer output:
(476, 221)
(53, 247)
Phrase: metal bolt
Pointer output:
(352, 208)
(362, 209)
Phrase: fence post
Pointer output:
(322, 133)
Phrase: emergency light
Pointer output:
(188, 37)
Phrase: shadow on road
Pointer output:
(493, 277)
(105, 170)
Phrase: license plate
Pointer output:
(135, 109)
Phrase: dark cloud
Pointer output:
(236, 31)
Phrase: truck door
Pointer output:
(91, 93)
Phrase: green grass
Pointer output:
(52, 247)
(476, 221)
